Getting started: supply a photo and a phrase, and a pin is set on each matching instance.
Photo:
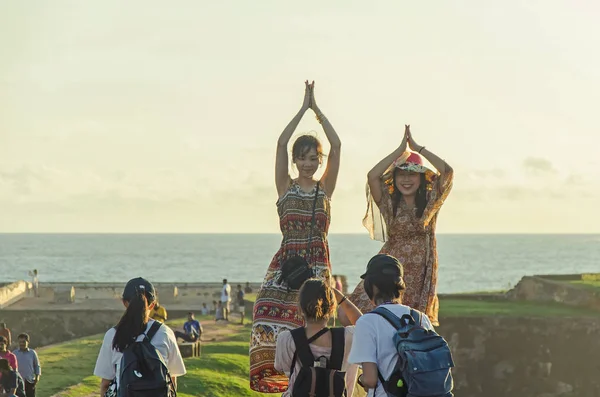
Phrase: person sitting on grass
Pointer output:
(11, 383)
(192, 330)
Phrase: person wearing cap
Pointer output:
(373, 346)
(404, 199)
(139, 297)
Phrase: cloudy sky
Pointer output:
(154, 117)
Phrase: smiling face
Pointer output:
(3, 345)
(308, 163)
(407, 182)
(306, 155)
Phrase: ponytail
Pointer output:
(133, 322)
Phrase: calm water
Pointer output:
(467, 262)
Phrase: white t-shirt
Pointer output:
(373, 342)
(284, 354)
(109, 360)
(226, 293)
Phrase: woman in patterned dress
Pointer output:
(276, 308)
(404, 198)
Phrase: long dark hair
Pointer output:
(420, 197)
(317, 299)
(134, 320)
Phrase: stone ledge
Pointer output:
(543, 289)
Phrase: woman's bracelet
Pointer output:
(420, 150)
(343, 299)
(320, 117)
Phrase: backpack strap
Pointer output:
(302, 347)
(395, 321)
(338, 339)
(153, 330)
(416, 316)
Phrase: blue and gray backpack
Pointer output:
(424, 359)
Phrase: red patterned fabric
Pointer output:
(276, 309)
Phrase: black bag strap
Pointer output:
(312, 223)
(153, 330)
(338, 340)
(302, 347)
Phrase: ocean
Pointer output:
(467, 263)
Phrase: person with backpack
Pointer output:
(314, 357)
(139, 356)
(400, 352)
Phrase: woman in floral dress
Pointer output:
(276, 308)
(404, 198)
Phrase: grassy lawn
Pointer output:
(221, 371)
(69, 364)
(464, 307)
(595, 284)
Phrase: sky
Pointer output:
(163, 117)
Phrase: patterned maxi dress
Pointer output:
(276, 309)
(412, 241)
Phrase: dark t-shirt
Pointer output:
(240, 297)
(12, 380)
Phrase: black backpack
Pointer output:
(321, 377)
(143, 371)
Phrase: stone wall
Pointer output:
(494, 356)
(47, 327)
(540, 289)
(13, 292)
(528, 357)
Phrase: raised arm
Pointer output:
(443, 168)
(374, 176)
(282, 175)
(332, 168)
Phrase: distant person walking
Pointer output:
(304, 236)
(35, 282)
(404, 198)
(241, 306)
(226, 298)
(139, 297)
(29, 365)
(6, 333)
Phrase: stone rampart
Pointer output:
(13, 292)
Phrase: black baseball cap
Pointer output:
(383, 265)
(136, 285)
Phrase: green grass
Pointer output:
(595, 284)
(221, 371)
(471, 308)
(69, 364)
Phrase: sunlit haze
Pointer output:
(163, 117)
